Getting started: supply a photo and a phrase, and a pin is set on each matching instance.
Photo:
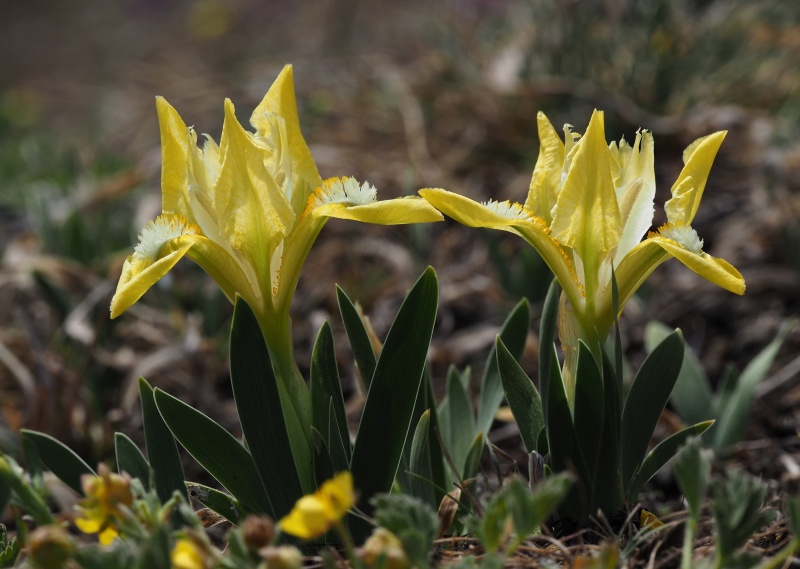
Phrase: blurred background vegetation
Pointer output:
(404, 95)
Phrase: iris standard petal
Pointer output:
(546, 180)
(586, 216)
(636, 192)
(687, 191)
(253, 214)
(174, 159)
(280, 99)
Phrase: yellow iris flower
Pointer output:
(587, 209)
(104, 496)
(248, 210)
(314, 514)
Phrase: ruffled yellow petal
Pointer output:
(546, 181)
(253, 214)
(280, 100)
(687, 191)
(586, 216)
(636, 190)
(174, 159)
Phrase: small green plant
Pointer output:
(695, 401)
(412, 521)
(516, 512)
(738, 511)
(9, 548)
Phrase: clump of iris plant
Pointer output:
(589, 206)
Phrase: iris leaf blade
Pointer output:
(216, 450)
(162, 450)
(393, 392)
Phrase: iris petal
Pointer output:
(713, 269)
(138, 276)
(386, 212)
(546, 180)
(687, 191)
(586, 216)
(280, 99)
(174, 159)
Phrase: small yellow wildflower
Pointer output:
(187, 555)
(315, 514)
(105, 494)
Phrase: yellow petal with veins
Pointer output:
(138, 276)
(253, 214)
(687, 191)
(631, 273)
(386, 212)
(280, 99)
(174, 158)
(546, 179)
(636, 190)
(586, 216)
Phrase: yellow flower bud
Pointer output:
(257, 531)
(384, 545)
(49, 547)
(282, 557)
